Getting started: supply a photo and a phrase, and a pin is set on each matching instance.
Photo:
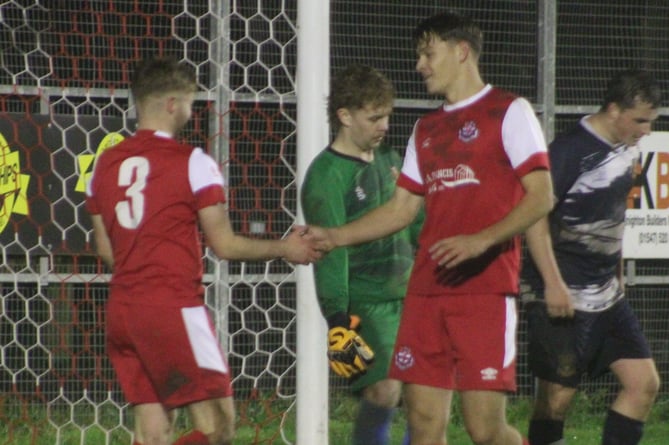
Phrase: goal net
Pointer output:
(64, 98)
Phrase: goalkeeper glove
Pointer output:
(348, 353)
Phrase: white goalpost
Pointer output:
(313, 72)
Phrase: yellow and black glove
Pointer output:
(348, 353)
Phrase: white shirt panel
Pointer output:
(203, 171)
(410, 166)
(521, 133)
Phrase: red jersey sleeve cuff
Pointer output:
(209, 196)
(538, 161)
(409, 184)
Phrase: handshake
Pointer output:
(348, 353)
(305, 244)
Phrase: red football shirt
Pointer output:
(467, 159)
(148, 190)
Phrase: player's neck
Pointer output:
(599, 123)
(155, 125)
(468, 84)
(346, 147)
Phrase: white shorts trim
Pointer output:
(203, 343)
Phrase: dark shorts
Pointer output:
(564, 350)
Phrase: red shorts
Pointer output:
(460, 342)
(168, 355)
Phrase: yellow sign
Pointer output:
(13, 185)
(86, 162)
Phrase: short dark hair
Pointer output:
(356, 87)
(630, 87)
(449, 26)
(161, 74)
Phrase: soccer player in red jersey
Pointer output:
(146, 197)
(479, 165)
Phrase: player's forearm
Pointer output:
(535, 204)
(517, 221)
(385, 220)
(540, 247)
(108, 260)
(375, 225)
(241, 248)
(104, 251)
(228, 245)
(556, 293)
(103, 245)
(331, 277)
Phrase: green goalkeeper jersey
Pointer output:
(338, 189)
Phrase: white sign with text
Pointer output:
(647, 217)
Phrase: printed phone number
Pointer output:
(653, 238)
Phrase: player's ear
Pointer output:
(170, 103)
(344, 116)
(614, 110)
(464, 50)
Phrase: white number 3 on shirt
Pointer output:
(132, 174)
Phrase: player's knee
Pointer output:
(548, 409)
(646, 389)
(426, 426)
(155, 438)
(558, 407)
(222, 435)
(385, 393)
(154, 435)
(219, 430)
(552, 406)
(652, 387)
(481, 434)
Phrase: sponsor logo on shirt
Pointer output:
(404, 358)
(489, 374)
(445, 178)
(360, 193)
(468, 132)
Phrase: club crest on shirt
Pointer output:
(468, 132)
(404, 358)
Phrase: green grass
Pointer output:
(259, 422)
(583, 426)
